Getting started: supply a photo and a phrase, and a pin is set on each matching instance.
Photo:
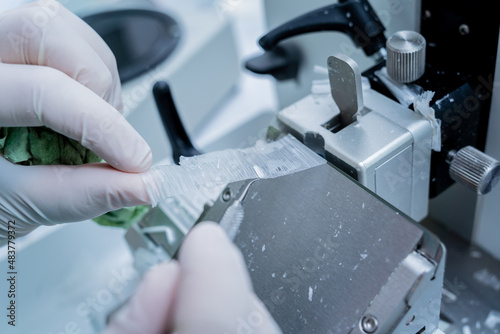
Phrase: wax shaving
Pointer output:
(262, 161)
(405, 94)
(422, 106)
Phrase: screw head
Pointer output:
(464, 29)
(226, 195)
(369, 324)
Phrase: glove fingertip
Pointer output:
(150, 310)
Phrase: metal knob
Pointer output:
(406, 56)
(475, 169)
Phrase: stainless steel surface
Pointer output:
(403, 188)
(474, 169)
(227, 209)
(345, 83)
(154, 239)
(159, 234)
(320, 249)
(410, 299)
(387, 149)
(159, 228)
(406, 56)
(471, 295)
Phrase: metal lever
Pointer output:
(355, 18)
(179, 139)
(346, 86)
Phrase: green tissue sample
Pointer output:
(124, 217)
(32, 146)
(42, 146)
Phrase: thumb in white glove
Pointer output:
(207, 291)
(59, 73)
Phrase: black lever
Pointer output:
(282, 62)
(355, 18)
(179, 139)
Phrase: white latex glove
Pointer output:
(208, 291)
(57, 72)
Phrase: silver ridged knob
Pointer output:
(474, 169)
(406, 56)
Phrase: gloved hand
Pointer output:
(55, 71)
(208, 291)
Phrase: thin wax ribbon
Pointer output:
(269, 160)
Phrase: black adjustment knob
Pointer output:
(356, 18)
(179, 139)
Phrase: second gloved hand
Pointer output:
(208, 291)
